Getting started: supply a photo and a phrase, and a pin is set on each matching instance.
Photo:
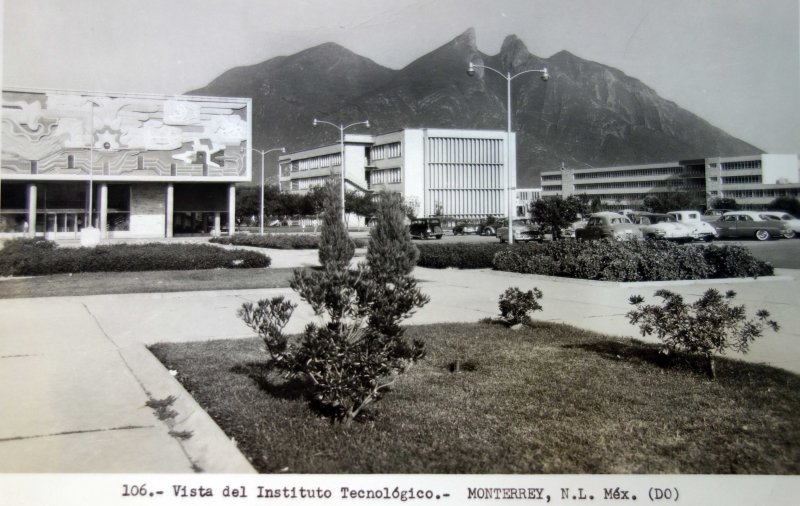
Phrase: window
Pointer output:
(383, 151)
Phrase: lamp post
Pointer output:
(508, 77)
(342, 128)
(263, 152)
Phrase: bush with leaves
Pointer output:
(516, 305)
(358, 350)
(710, 325)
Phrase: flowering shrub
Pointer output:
(709, 325)
(516, 305)
(36, 257)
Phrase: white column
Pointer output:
(217, 224)
(32, 210)
(103, 211)
(231, 208)
(170, 207)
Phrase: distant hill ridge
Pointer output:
(587, 114)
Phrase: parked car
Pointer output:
(608, 225)
(489, 227)
(714, 214)
(703, 230)
(787, 218)
(569, 232)
(737, 224)
(425, 228)
(663, 226)
(523, 230)
(466, 227)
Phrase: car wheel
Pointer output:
(789, 234)
(488, 231)
(762, 235)
(708, 238)
(439, 236)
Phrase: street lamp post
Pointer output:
(508, 77)
(263, 152)
(342, 128)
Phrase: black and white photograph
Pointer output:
(379, 251)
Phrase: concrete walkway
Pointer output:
(75, 377)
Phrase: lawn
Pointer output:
(548, 399)
(97, 283)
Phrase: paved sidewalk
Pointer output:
(75, 376)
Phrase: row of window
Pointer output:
(749, 164)
(384, 176)
(385, 151)
(551, 177)
(659, 171)
(789, 192)
(307, 183)
(741, 179)
(663, 183)
(317, 162)
(465, 176)
(446, 150)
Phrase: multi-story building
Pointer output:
(753, 181)
(457, 173)
(129, 165)
(525, 197)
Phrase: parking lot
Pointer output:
(782, 253)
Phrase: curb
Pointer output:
(208, 448)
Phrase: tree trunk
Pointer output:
(712, 367)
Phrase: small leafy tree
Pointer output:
(358, 350)
(790, 205)
(516, 305)
(557, 212)
(710, 325)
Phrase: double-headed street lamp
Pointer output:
(263, 152)
(341, 128)
(508, 77)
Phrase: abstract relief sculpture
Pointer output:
(66, 133)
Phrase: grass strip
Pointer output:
(547, 399)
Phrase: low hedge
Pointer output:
(459, 255)
(36, 257)
(278, 241)
(600, 260)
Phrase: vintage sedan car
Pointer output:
(785, 217)
(738, 224)
(425, 228)
(608, 225)
(663, 226)
(466, 227)
(523, 230)
(703, 230)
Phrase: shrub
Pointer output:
(357, 353)
(516, 305)
(734, 262)
(709, 325)
(35, 257)
(278, 241)
(609, 260)
(458, 255)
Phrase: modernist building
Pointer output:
(131, 165)
(753, 181)
(458, 173)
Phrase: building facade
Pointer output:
(753, 181)
(457, 173)
(129, 165)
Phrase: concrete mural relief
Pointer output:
(123, 135)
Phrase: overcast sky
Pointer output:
(735, 63)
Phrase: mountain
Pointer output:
(587, 114)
